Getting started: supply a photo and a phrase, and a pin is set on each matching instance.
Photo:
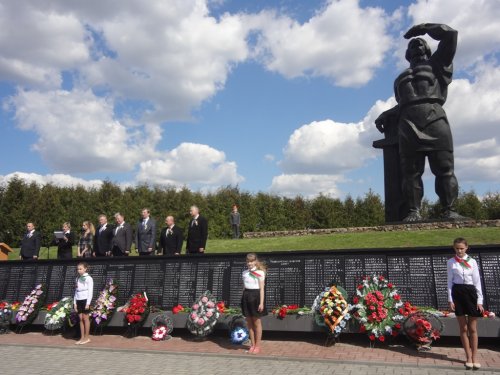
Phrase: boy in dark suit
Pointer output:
(171, 238)
(30, 244)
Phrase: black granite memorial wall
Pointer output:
(293, 277)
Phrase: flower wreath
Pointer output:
(5, 316)
(162, 326)
(423, 328)
(332, 309)
(58, 314)
(376, 306)
(105, 305)
(238, 331)
(204, 315)
(31, 305)
(136, 310)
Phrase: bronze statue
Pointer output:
(419, 123)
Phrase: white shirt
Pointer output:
(251, 278)
(458, 274)
(84, 288)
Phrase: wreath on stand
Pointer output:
(201, 321)
(376, 306)
(136, 311)
(5, 317)
(423, 328)
(31, 306)
(238, 331)
(331, 311)
(105, 305)
(162, 326)
(58, 314)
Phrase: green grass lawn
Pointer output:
(337, 241)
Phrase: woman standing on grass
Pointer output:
(252, 300)
(86, 240)
(466, 298)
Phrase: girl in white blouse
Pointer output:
(465, 297)
(83, 297)
(252, 300)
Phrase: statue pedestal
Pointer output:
(395, 208)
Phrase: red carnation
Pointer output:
(177, 309)
(397, 297)
(397, 326)
(372, 337)
(381, 338)
(362, 329)
(355, 300)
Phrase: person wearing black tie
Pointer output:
(145, 234)
(103, 238)
(171, 238)
(122, 239)
(30, 244)
(197, 232)
(65, 244)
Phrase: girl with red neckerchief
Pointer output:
(252, 300)
(465, 297)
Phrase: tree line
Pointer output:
(48, 206)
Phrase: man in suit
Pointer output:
(171, 238)
(65, 244)
(103, 238)
(197, 232)
(122, 239)
(30, 244)
(145, 234)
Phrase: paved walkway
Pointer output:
(36, 353)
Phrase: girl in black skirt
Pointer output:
(466, 298)
(83, 296)
(252, 300)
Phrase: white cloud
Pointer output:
(173, 55)
(190, 163)
(476, 22)
(38, 42)
(318, 155)
(307, 185)
(472, 109)
(321, 147)
(269, 157)
(343, 42)
(77, 131)
(61, 180)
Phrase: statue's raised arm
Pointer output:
(446, 36)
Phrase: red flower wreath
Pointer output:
(136, 309)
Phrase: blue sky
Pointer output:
(274, 96)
